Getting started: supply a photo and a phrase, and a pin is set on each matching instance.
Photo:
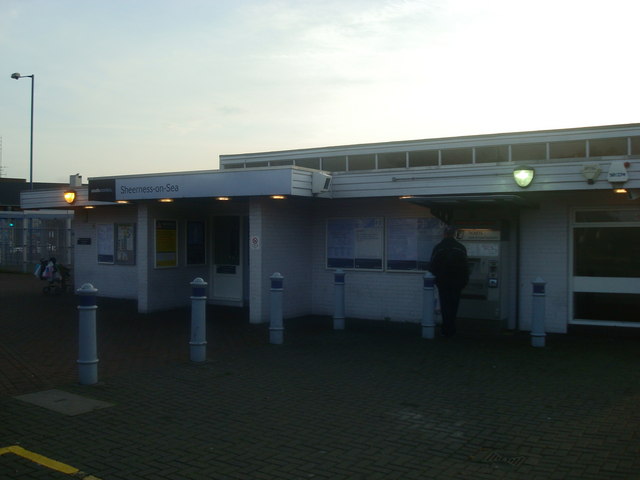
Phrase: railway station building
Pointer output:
(560, 206)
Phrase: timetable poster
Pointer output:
(166, 243)
(106, 243)
(355, 243)
(126, 244)
(410, 242)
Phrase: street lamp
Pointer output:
(17, 76)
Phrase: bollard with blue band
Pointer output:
(87, 338)
(338, 310)
(198, 343)
(538, 313)
(276, 326)
(428, 306)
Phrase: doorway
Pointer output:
(228, 271)
(606, 267)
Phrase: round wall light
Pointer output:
(523, 176)
(69, 196)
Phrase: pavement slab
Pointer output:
(372, 401)
(63, 402)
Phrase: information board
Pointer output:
(410, 242)
(166, 243)
(106, 244)
(125, 244)
(355, 243)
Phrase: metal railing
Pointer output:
(23, 246)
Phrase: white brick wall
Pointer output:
(111, 280)
(373, 295)
(292, 235)
(544, 252)
(155, 289)
(166, 288)
(284, 228)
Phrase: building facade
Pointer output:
(561, 206)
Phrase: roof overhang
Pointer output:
(471, 201)
(237, 183)
(443, 206)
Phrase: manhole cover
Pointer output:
(63, 402)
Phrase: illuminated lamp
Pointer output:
(523, 176)
(69, 196)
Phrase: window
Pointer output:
(606, 251)
(606, 266)
(196, 251)
(392, 160)
(456, 156)
(279, 163)
(576, 149)
(423, 158)
(334, 164)
(499, 153)
(603, 147)
(227, 241)
(308, 163)
(611, 307)
(362, 162)
(528, 151)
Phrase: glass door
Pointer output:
(227, 268)
(606, 267)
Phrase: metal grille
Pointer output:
(24, 242)
(495, 457)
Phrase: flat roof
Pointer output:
(604, 131)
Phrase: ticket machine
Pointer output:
(486, 294)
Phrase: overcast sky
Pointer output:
(133, 86)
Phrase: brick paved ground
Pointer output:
(373, 402)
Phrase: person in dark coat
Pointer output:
(450, 266)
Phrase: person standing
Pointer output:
(450, 267)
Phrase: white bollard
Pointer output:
(338, 310)
(198, 343)
(87, 338)
(428, 307)
(276, 326)
(538, 313)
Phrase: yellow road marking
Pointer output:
(46, 462)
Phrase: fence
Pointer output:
(24, 241)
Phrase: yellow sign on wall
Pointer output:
(166, 243)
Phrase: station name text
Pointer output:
(167, 188)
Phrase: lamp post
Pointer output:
(17, 76)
